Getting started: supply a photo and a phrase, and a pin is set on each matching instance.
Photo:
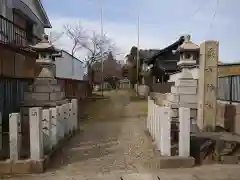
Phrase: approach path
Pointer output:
(113, 143)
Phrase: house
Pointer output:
(22, 23)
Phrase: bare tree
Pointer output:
(97, 46)
(78, 36)
(89, 42)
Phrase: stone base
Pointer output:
(229, 160)
(44, 103)
(166, 162)
(22, 166)
(28, 166)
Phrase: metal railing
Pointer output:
(14, 35)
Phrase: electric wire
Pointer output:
(213, 17)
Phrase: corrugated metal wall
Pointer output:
(229, 88)
(11, 95)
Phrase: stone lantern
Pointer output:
(45, 91)
(189, 55)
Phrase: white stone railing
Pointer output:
(47, 128)
(159, 126)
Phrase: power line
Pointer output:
(214, 16)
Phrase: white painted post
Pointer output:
(184, 132)
(1, 134)
(149, 111)
(70, 118)
(15, 136)
(47, 129)
(60, 122)
(158, 134)
(154, 122)
(152, 117)
(36, 134)
(75, 113)
(55, 125)
(65, 118)
(165, 130)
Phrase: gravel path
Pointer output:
(118, 147)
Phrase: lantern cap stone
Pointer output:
(188, 45)
(44, 45)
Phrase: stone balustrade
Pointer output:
(48, 127)
(159, 126)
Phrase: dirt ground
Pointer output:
(113, 143)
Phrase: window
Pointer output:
(187, 56)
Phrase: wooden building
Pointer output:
(164, 62)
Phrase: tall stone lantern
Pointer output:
(45, 91)
(189, 56)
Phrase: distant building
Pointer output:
(69, 67)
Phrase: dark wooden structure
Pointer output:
(164, 62)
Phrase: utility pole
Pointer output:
(138, 42)
(101, 50)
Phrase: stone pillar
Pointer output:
(15, 136)
(36, 134)
(55, 125)
(65, 118)
(61, 120)
(152, 118)
(71, 120)
(158, 133)
(149, 111)
(47, 129)
(207, 85)
(75, 113)
(165, 131)
(184, 132)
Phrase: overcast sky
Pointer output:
(161, 22)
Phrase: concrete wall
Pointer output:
(69, 67)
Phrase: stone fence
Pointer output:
(48, 127)
(159, 123)
(228, 116)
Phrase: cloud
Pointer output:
(161, 23)
(124, 35)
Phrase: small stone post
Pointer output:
(184, 132)
(15, 136)
(36, 134)
(165, 131)
(70, 118)
(65, 119)
(75, 113)
(158, 134)
(155, 121)
(151, 117)
(47, 127)
(149, 111)
(55, 125)
(61, 120)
